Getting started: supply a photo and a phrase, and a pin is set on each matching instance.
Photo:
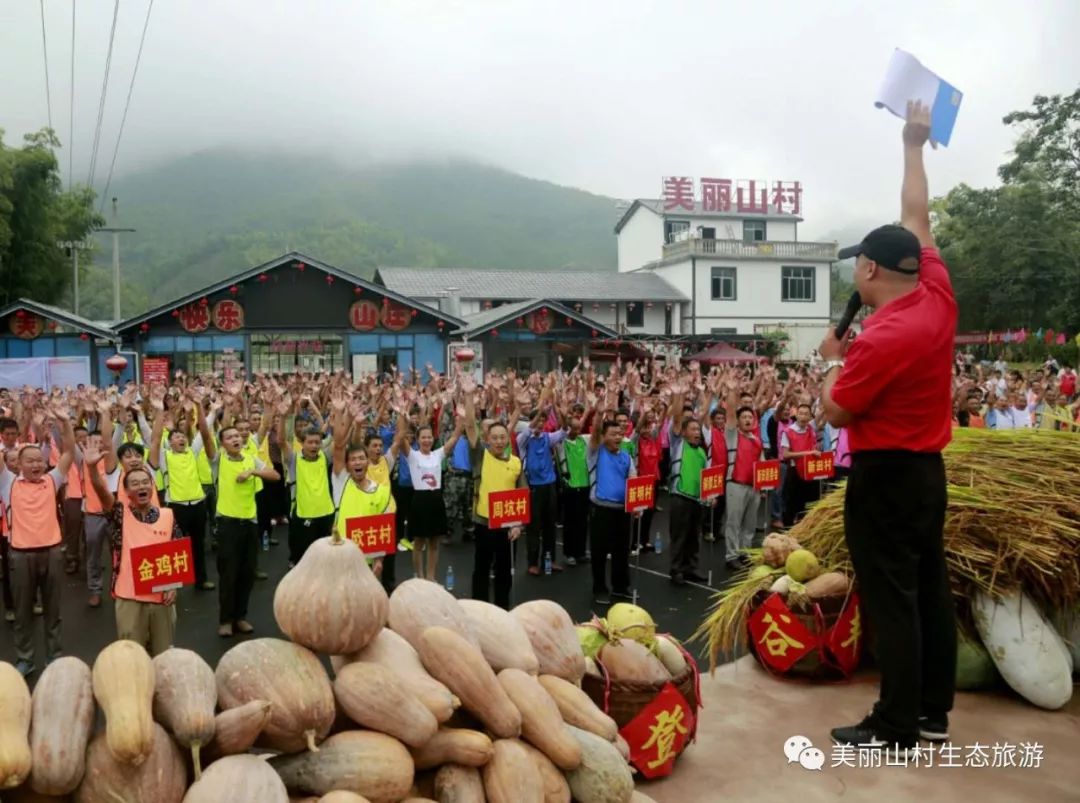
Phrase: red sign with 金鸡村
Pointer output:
(162, 566)
(509, 508)
(640, 493)
(712, 481)
(375, 535)
(766, 475)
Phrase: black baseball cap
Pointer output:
(889, 246)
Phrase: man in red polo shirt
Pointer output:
(893, 390)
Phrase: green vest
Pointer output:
(235, 499)
(182, 476)
(313, 498)
(694, 460)
(575, 462)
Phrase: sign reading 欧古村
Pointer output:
(375, 535)
(751, 196)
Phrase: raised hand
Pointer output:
(917, 128)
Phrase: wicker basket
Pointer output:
(819, 620)
(622, 701)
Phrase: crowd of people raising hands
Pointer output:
(224, 461)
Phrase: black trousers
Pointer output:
(403, 495)
(894, 514)
(492, 547)
(238, 549)
(5, 573)
(540, 533)
(304, 532)
(684, 525)
(575, 521)
(609, 532)
(264, 509)
(797, 494)
(191, 519)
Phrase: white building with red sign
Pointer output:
(732, 248)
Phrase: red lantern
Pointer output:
(176, 313)
(263, 277)
(84, 336)
(544, 311)
(145, 328)
(594, 333)
(234, 289)
(442, 324)
(414, 313)
(300, 266)
(20, 314)
(329, 279)
(52, 326)
(204, 301)
(569, 322)
(386, 302)
(465, 355)
(494, 332)
(487, 305)
(520, 321)
(116, 363)
(358, 290)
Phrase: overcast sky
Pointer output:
(605, 96)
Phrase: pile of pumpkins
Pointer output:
(431, 699)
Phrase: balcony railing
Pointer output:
(740, 249)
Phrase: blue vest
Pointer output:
(612, 471)
(539, 464)
(460, 460)
(387, 432)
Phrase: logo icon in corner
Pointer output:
(799, 749)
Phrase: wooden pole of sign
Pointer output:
(712, 540)
(635, 521)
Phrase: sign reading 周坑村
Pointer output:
(750, 196)
(509, 508)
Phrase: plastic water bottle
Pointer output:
(658, 543)
(547, 563)
(449, 578)
(265, 541)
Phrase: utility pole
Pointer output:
(73, 246)
(116, 232)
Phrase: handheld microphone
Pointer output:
(850, 311)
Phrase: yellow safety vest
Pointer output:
(356, 503)
(235, 499)
(379, 472)
(206, 473)
(313, 497)
(495, 475)
(182, 475)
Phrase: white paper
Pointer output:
(64, 371)
(906, 79)
(14, 374)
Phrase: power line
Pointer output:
(45, 53)
(104, 90)
(127, 103)
(71, 110)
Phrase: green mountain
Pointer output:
(204, 217)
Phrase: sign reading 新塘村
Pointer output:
(749, 196)
(640, 493)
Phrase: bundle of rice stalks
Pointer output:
(1013, 521)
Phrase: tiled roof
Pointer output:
(515, 284)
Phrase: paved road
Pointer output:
(677, 610)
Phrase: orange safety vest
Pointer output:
(32, 517)
(74, 489)
(91, 503)
(134, 534)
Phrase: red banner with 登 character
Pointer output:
(659, 732)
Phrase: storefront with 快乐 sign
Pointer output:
(290, 314)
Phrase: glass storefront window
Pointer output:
(285, 352)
